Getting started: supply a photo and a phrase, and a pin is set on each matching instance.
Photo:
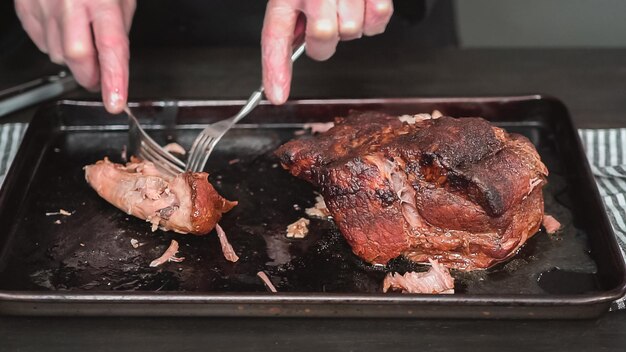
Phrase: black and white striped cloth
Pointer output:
(606, 151)
(10, 137)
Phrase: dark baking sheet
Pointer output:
(86, 265)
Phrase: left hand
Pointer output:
(327, 22)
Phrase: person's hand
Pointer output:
(98, 59)
(327, 22)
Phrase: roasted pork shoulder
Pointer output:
(459, 191)
(187, 203)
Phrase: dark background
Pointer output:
(236, 23)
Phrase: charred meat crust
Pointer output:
(207, 205)
(461, 191)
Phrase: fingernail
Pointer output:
(57, 60)
(279, 95)
(383, 7)
(324, 29)
(349, 26)
(114, 99)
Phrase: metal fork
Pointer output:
(206, 141)
(141, 144)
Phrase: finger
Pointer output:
(113, 55)
(29, 17)
(377, 15)
(298, 33)
(78, 47)
(276, 43)
(322, 33)
(128, 9)
(54, 43)
(350, 15)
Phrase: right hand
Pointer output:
(99, 59)
(324, 23)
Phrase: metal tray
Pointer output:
(84, 264)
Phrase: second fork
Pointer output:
(206, 141)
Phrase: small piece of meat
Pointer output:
(187, 203)
(412, 119)
(319, 127)
(60, 212)
(551, 224)
(168, 256)
(436, 280)
(135, 244)
(175, 148)
(298, 229)
(319, 210)
(227, 249)
(266, 280)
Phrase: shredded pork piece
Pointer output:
(168, 256)
(436, 280)
(60, 212)
(227, 249)
(175, 148)
(319, 210)
(551, 224)
(536, 181)
(319, 127)
(266, 280)
(412, 119)
(134, 243)
(298, 229)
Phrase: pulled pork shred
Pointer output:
(319, 127)
(436, 280)
(227, 249)
(319, 210)
(298, 229)
(551, 224)
(175, 148)
(266, 280)
(168, 256)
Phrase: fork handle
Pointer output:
(257, 95)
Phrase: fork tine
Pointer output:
(200, 152)
(167, 157)
(203, 142)
(193, 153)
(149, 155)
(204, 139)
(210, 145)
(163, 165)
(156, 153)
(147, 141)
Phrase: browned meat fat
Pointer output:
(187, 203)
(460, 191)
